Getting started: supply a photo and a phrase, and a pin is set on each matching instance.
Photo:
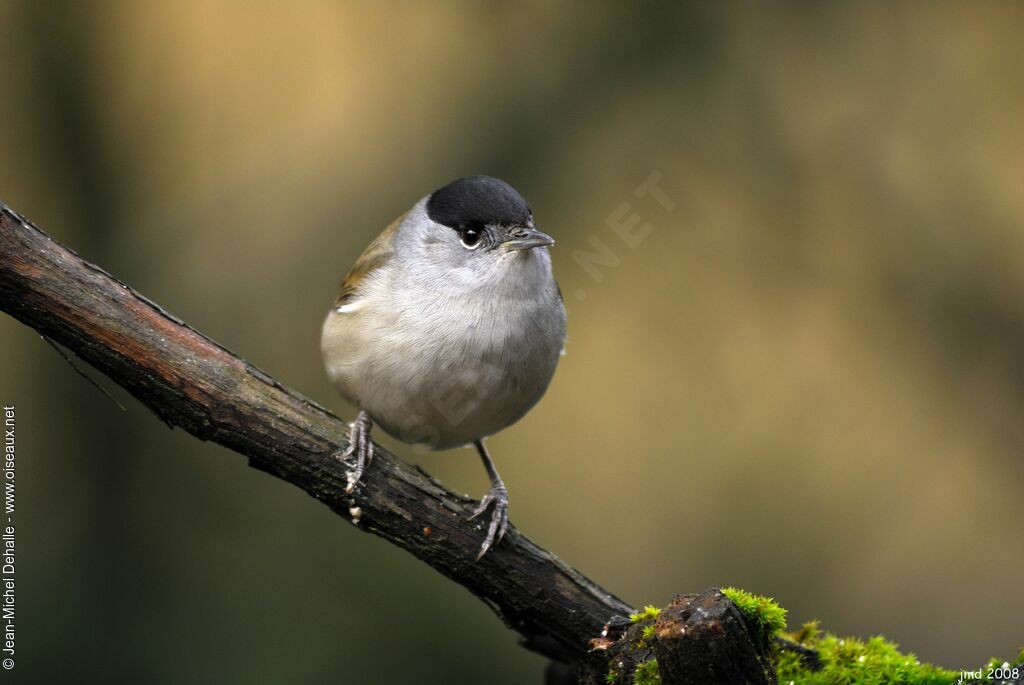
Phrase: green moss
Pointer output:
(995, 663)
(648, 613)
(808, 632)
(762, 611)
(849, 661)
(634, 653)
(844, 661)
(647, 673)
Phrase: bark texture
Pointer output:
(190, 381)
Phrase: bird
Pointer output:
(448, 329)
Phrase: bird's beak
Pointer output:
(526, 238)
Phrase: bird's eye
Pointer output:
(470, 237)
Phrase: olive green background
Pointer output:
(807, 379)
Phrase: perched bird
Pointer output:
(448, 328)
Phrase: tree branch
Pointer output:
(190, 381)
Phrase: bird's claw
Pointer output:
(361, 445)
(498, 496)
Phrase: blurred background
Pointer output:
(805, 377)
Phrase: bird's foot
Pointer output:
(498, 496)
(360, 445)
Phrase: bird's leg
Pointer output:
(498, 496)
(359, 444)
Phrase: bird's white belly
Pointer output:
(442, 378)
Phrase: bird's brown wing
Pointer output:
(374, 257)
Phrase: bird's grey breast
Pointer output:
(477, 348)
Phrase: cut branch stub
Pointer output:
(706, 639)
(702, 638)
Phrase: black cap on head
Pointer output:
(478, 201)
